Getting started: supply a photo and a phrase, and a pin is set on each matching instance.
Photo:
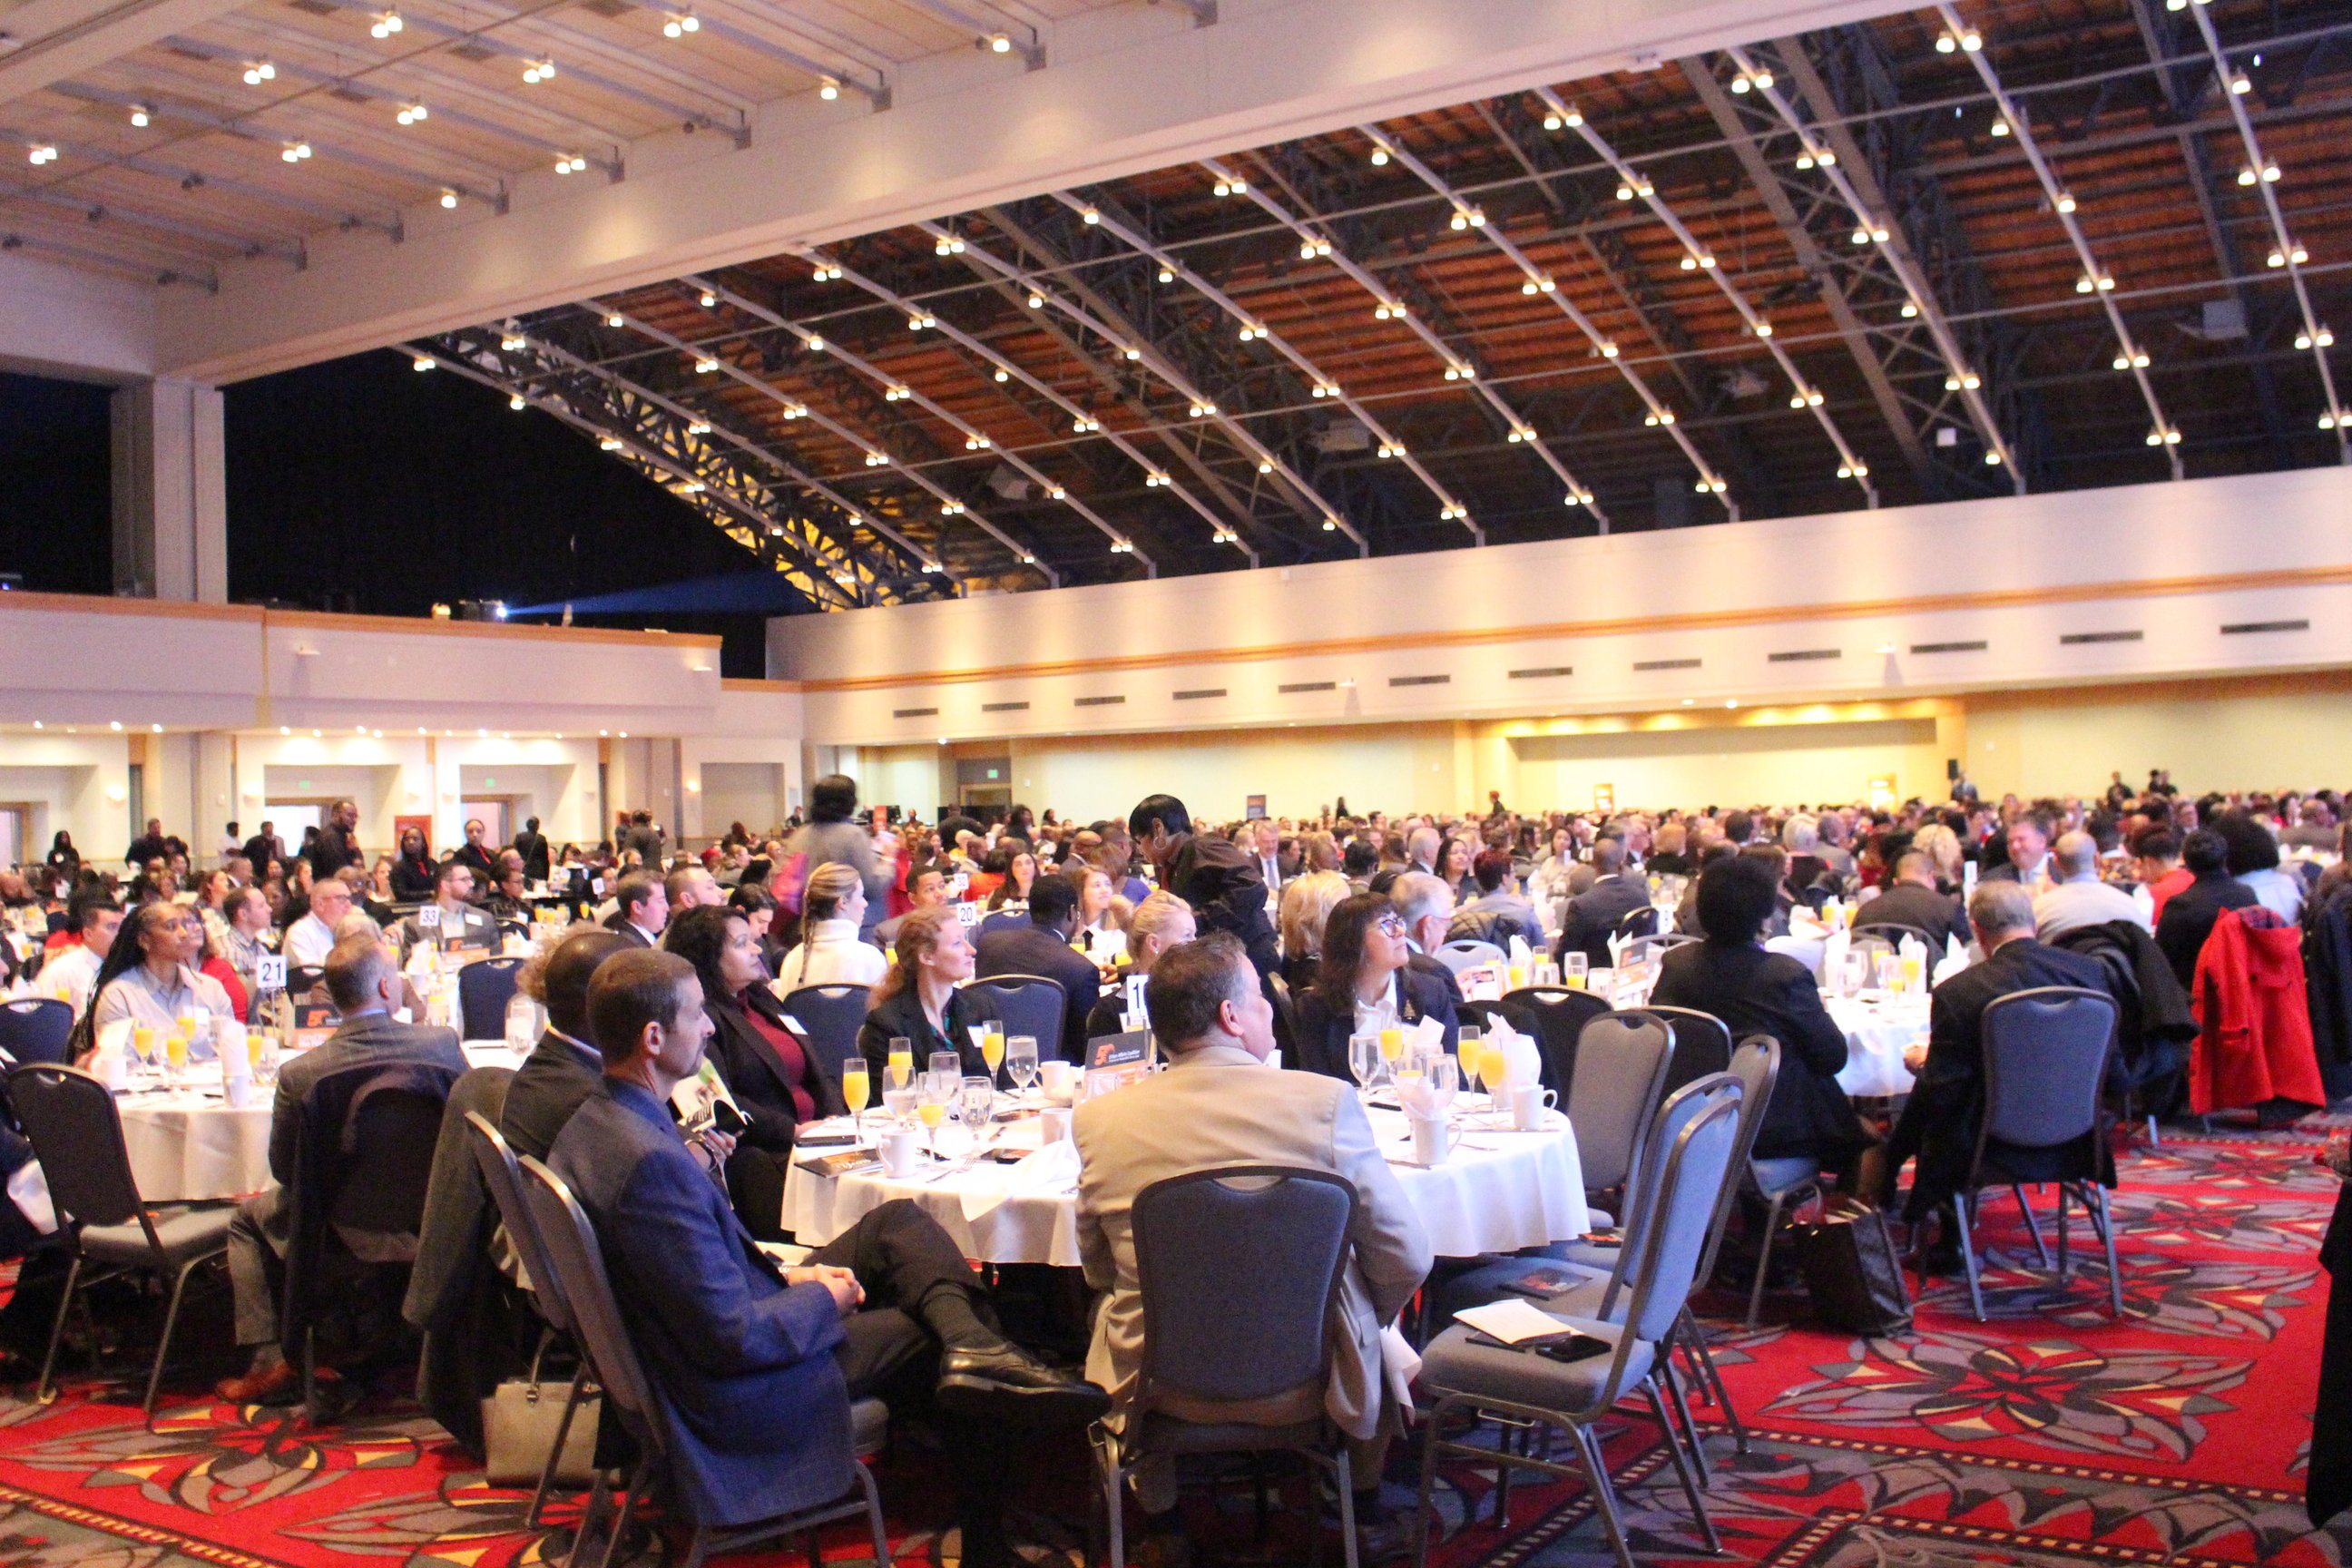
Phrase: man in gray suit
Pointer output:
(363, 982)
(1217, 1105)
(1591, 917)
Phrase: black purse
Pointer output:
(1854, 1275)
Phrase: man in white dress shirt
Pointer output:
(312, 937)
(67, 976)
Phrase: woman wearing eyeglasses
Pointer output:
(1364, 987)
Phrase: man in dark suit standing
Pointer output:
(1940, 1122)
(1592, 916)
(757, 1362)
(1214, 875)
(563, 1069)
(532, 845)
(364, 984)
(335, 848)
(262, 849)
(1912, 899)
(1042, 947)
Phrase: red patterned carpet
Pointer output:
(2047, 1436)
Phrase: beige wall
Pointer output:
(2219, 734)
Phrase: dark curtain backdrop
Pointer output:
(366, 477)
(56, 507)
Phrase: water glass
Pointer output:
(977, 1105)
(1575, 968)
(1020, 1061)
(1854, 973)
(1364, 1059)
(1890, 971)
(948, 1062)
(1444, 1081)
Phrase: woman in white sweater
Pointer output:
(831, 951)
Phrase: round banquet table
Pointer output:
(1878, 1029)
(190, 1145)
(1497, 1191)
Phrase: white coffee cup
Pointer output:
(114, 1069)
(1055, 1123)
(1058, 1077)
(1429, 1140)
(902, 1148)
(1529, 1104)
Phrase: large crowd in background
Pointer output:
(652, 957)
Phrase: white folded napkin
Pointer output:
(983, 1189)
(1521, 953)
(1522, 1061)
(1955, 959)
(1427, 1034)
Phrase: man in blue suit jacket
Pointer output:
(759, 1362)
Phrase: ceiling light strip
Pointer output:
(1388, 307)
(1327, 386)
(1879, 230)
(1699, 258)
(1470, 219)
(949, 505)
(2130, 355)
(1268, 463)
(2285, 253)
(858, 515)
(975, 439)
(1007, 370)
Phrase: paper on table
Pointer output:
(1514, 1321)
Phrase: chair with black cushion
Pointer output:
(1871, 939)
(1642, 921)
(2045, 1061)
(36, 1028)
(1622, 1060)
(1664, 1242)
(1702, 1044)
(1894, 931)
(1032, 1005)
(364, 1141)
(832, 1014)
(575, 1262)
(1557, 1014)
(484, 988)
(1285, 1016)
(503, 1176)
(1648, 949)
(1239, 1269)
(301, 979)
(76, 1135)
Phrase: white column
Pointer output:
(171, 497)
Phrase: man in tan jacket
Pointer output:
(1218, 1104)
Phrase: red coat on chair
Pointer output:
(2254, 1040)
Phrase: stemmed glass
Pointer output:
(1020, 1061)
(975, 1106)
(901, 1061)
(856, 1091)
(934, 1090)
(1444, 1081)
(991, 1048)
(1364, 1060)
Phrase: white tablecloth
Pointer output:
(1496, 1191)
(1877, 1029)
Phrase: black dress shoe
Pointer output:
(1005, 1384)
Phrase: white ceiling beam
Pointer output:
(50, 41)
(1129, 89)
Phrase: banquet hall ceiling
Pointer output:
(1954, 252)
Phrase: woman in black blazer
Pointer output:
(918, 1000)
(1754, 991)
(1364, 978)
(775, 1083)
(415, 876)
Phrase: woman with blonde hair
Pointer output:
(830, 952)
(1306, 905)
(1942, 846)
(1159, 922)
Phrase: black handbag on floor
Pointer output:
(1853, 1274)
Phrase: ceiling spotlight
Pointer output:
(297, 152)
(997, 44)
(517, 403)
(920, 323)
(422, 361)
(680, 24)
(1003, 375)
(609, 444)
(1963, 379)
(513, 343)
(1265, 466)
(1993, 459)
(258, 72)
(977, 443)
(1250, 331)
(1231, 187)
(698, 427)
(828, 89)
(1311, 247)
(2307, 338)
(1564, 117)
(1380, 155)
(1320, 390)
(1392, 449)
(2064, 202)
(1520, 434)
(947, 244)
(875, 459)
(1153, 481)
(2241, 85)
(1624, 192)
(1468, 218)
(1133, 353)
(693, 486)
(1388, 310)
(448, 197)
(1910, 309)
(796, 411)
(897, 394)
(2331, 419)
(539, 71)
(1036, 300)
(140, 115)
(1609, 351)
(952, 509)
(615, 319)
(707, 300)
(2136, 359)
(1763, 329)
(1085, 427)
(1330, 525)
(705, 366)
(570, 163)
(1167, 273)
(1201, 410)
(386, 26)
(1853, 470)
(44, 155)
(1090, 217)
(412, 114)
(2267, 174)
(826, 274)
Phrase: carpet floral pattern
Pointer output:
(2049, 1434)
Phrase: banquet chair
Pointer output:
(484, 989)
(1871, 939)
(1030, 1005)
(301, 979)
(576, 1263)
(832, 1014)
(1702, 1043)
(1642, 921)
(1458, 956)
(1286, 1016)
(1621, 1061)
(1558, 1014)
(2045, 1061)
(76, 1135)
(1664, 1244)
(1894, 931)
(503, 1177)
(1238, 1283)
(1652, 948)
(36, 1028)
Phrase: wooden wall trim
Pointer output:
(2007, 598)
